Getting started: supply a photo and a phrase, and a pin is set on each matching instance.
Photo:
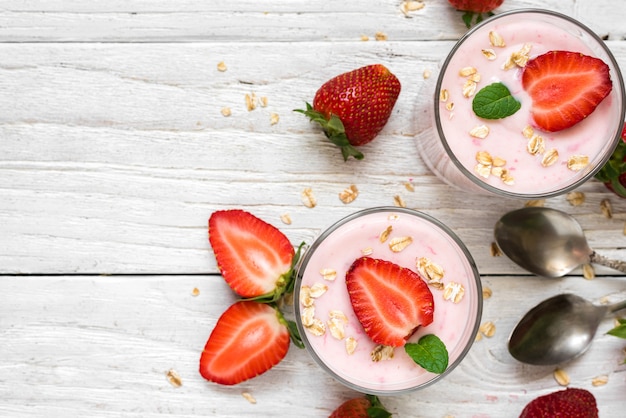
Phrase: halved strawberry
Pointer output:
(248, 340)
(565, 88)
(254, 257)
(390, 301)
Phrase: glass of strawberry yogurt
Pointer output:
(327, 321)
(514, 156)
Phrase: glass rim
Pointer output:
(620, 93)
(425, 217)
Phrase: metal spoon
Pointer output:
(547, 242)
(558, 329)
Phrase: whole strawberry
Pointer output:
(366, 407)
(353, 107)
(474, 9)
(613, 173)
(568, 403)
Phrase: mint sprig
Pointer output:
(430, 353)
(620, 330)
(495, 101)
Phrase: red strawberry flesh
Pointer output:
(565, 88)
(253, 256)
(390, 301)
(568, 403)
(248, 339)
(476, 6)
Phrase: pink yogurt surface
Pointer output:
(454, 323)
(593, 137)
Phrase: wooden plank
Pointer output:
(102, 345)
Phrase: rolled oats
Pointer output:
(329, 274)
(536, 145)
(575, 198)
(606, 208)
(308, 198)
(248, 397)
(469, 88)
(398, 201)
(308, 316)
(335, 326)
(382, 352)
(577, 162)
(174, 378)
(600, 380)
(561, 377)
(348, 195)
(226, 112)
(488, 329)
(385, 234)
(351, 344)
(550, 157)
(400, 243)
(489, 53)
(317, 290)
(380, 36)
(467, 71)
(274, 118)
(588, 272)
(453, 292)
(305, 296)
(221, 66)
(286, 218)
(431, 272)
(444, 94)
(367, 251)
(495, 39)
(487, 292)
(479, 131)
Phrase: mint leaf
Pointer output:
(495, 102)
(429, 352)
(620, 330)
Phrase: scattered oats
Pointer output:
(263, 101)
(338, 315)
(453, 292)
(367, 251)
(305, 296)
(577, 162)
(508, 179)
(488, 329)
(426, 74)
(495, 39)
(561, 377)
(348, 195)
(535, 203)
(490, 54)
(588, 272)
(318, 289)
(606, 208)
(351, 344)
(308, 316)
(495, 250)
(499, 162)
(274, 118)
(393, 218)
(328, 274)
(575, 198)
(409, 186)
(380, 36)
(474, 77)
(195, 291)
(286, 218)
(365, 38)
(174, 378)
(536, 145)
(382, 352)
(469, 88)
(221, 66)
(226, 112)
(467, 71)
(600, 380)
(308, 198)
(411, 6)
(248, 397)
(398, 201)
(528, 132)
(444, 95)
(400, 243)
(484, 158)
(478, 337)
(431, 272)
(550, 157)
(487, 292)
(479, 131)
(335, 326)
(483, 170)
(519, 58)
(317, 328)
(251, 101)
(450, 107)
(385, 234)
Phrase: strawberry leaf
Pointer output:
(495, 102)
(429, 352)
(377, 410)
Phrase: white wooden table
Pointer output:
(114, 152)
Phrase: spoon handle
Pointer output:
(607, 262)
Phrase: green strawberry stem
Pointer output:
(468, 18)
(285, 282)
(613, 169)
(334, 130)
(376, 410)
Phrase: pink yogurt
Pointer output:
(337, 248)
(452, 153)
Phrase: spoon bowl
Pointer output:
(546, 242)
(557, 330)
